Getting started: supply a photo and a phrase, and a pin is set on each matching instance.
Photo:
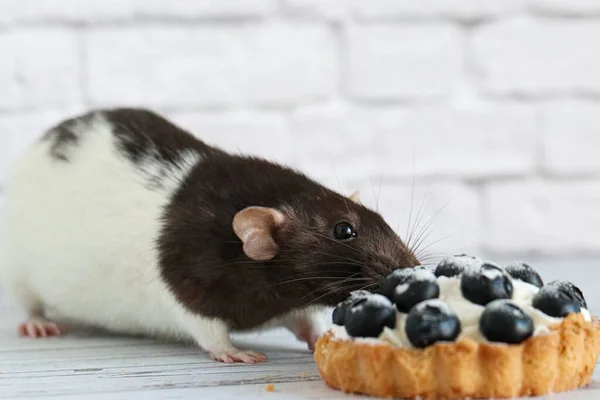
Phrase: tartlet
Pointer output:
(558, 354)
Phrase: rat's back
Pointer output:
(83, 209)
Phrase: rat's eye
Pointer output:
(344, 231)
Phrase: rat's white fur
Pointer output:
(80, 239)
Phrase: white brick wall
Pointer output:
(39, 68)
(536, 58)
(267, 64)
(402, 62)
(492, 107)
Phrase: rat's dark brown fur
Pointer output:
(202, 259)
(204, 262)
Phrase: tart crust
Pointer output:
(559, 361)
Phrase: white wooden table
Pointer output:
(87, 365)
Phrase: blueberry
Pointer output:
(525, 273)
(394, 279)
(369, 315)
(454, 265)
(339, 312)
(418, 287)
(485, 283)
(555, 301)
(572, 290)
(431, 321)
(503, 321)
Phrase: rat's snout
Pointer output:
(406, 259)
(378, 269)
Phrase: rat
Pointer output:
(120, 219)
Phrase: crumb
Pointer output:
(270, 387)
(267, 377)
(303, 375)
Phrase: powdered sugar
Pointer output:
(379, 300)
(438, 304)
(423, 275)
(451, 300)
(401, 289)
(491, 271)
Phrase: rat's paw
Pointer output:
(38, 327)
(306, 326)
(310, 337)
(235, 355)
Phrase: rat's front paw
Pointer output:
(306, 327)
(235, 355)
(310, 337)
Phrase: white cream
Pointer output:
(468, 314)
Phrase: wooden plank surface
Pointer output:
(91, 365)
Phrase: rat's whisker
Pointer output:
(337, 278)
(429, 257)
(435, 242)
(379, 190)
(374, 194)
(417, 249)
(332, 284)
(351, 277)
(419, 216)
(339, 263)
(337, 177)
(377, 195)
(366, 287)
(412, 200)
(330, 292)
(351, 260)
(337, 284)
(429, 223)
(339, 243)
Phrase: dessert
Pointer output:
(466, 328)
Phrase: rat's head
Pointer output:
(327, 245)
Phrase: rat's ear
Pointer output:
(256, 227)
(355, 197)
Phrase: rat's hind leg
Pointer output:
(212, 334)
(36, 325)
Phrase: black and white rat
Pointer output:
(120, 219)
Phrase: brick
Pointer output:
(20, 130)
(264, 135)
(445, 216)
(537, 58)
(571, 138)
(211, 66)
(462, 9)
(118, 10)
(38, 68)
(543, 217)
(334, 143)
(396, 62)
(291, 63)
(385, 10)
(477, 143)
(328, 9)
(579, 8)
